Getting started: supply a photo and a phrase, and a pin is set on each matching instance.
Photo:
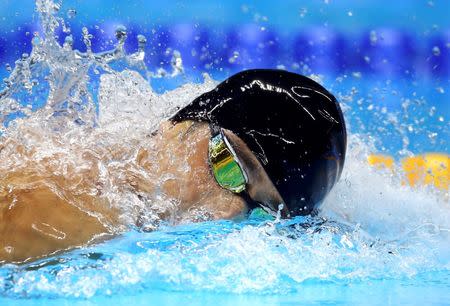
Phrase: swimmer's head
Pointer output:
(287, 124)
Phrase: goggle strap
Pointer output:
(252, 204)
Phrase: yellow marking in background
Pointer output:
(414, 170)
(437, 170)
(427, 169)
(381, 161)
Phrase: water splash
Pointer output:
(70, 76)
(63, 101)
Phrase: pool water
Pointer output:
(375, 241)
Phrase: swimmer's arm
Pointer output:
(36, 220)
(43, 215)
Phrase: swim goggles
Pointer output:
(228, 170)
(225, 165)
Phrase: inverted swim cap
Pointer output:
(292, 124)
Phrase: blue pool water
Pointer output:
(375, 241)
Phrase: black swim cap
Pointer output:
(292, 124)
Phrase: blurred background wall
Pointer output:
(403, 38)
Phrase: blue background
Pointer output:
(331, 36)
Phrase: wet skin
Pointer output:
(41, 214)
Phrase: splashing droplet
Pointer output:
(177, 63)
(432, 111)
(71, 13)
(68, 42)
(121, 33)
(142, 41)
(440, 90)
(432, 136)
(87, 39)
(36, 39)
(56, 7)
(303, 12)
(235, 56)
(373, 38)
(357, 74)
(436, 51)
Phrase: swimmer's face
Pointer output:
(184, 153)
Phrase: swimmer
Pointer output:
(262, 138)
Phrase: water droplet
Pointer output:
(121, 33)
(350, 13)
(436, 51)
(176, 63)
(235, 56)
(432, 111)
(345, 242)
(357, 74)
(441, 119)
(142, 41)
(7, 82)
(36, 40)
(440, 90)
(432, 136)
(303, 12)
(8, 67)
(68, 42)
(373, 37)
(13, 106)
(86, 38)
(71, 13)
(56, 7)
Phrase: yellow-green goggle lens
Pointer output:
(226, 169)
